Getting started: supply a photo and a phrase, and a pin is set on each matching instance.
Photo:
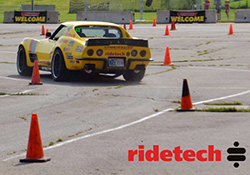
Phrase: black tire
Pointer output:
(22, 67)
(134, 75)
(59, 71)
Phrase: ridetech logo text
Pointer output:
(177, 154)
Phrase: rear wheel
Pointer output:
(21, 62)
(134, 75)
(59, 71)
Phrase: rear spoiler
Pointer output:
(106, 42)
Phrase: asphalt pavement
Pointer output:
(102, 126)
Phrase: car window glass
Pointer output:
(98, 31)
(60, 33)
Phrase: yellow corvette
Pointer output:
(93, 47)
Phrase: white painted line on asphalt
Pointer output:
(221, 98)
(15, 79)
(7, 52)
(4, 96)
(110, 130)
(98, 133)
(26, 91)
(125, 125)
(226, 69)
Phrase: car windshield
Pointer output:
(98, 31)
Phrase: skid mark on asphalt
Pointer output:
(127, 125)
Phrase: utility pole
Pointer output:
(32, 5)
(86, 5)
(141, 10)
(198, 4)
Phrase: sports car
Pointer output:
(99, 48)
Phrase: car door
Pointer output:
(46, 47)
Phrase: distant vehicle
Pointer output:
(99, 48)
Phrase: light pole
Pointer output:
(198, 4)
(141, 10)
(32, 5)
(86, 5)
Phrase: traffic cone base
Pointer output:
(186, 103)
(35, 83)
(170, 64)
(186, 110)
(35, 160)
(167, 60)
(35, 151)
(35, 80)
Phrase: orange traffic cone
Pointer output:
(167, 30)
(167, 60)
(186, 103)
(231, 30)
(124, 26)
(35, 148)
(173, 26)
(130, 25)
(43, 31)
(35, 80)
(154, 23)
(47, 30)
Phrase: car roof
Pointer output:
(77, 23)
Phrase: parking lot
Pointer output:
(89, 126)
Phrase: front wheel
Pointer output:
(59, 71)
(21, 63)
(134, 75)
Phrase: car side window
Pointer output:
(58, 32)
(79, 32)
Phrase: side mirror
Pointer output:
(48, 34)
